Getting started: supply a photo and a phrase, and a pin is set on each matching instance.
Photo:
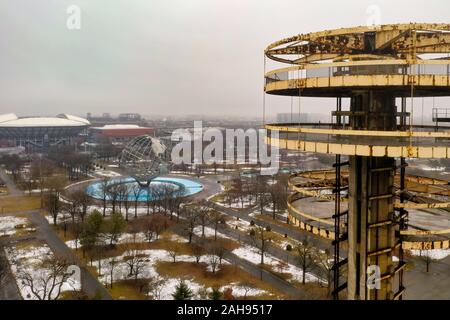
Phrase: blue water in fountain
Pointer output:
(189, 187)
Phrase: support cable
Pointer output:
(299, 100)
(264, 93)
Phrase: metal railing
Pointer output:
(360, 70)
(441, 115)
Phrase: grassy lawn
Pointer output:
(28, 245)
(72, 295)
(314, 289)
(225, 276)
(217, 198)
(20, 203)
(126, 290)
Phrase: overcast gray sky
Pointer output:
(164, 57)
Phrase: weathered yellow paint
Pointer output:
(362, 133)
(362, 150)
(358, 81)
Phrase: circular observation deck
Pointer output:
(420, 142)
(335, 63)
(311, 207)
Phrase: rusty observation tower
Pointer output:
(380, 71)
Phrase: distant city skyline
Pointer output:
(166, 58)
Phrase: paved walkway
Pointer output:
(91, 286)
(44, 232)
(434, 285)
(266, 276)
(296, 235)
(419, 284)
(13, 190)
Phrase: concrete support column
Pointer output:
(371, 202)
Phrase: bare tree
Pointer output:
(148, 228)
(262, 195)
(203, 212)
(173, 250)
(278, 196)
(124, 198)
(156, 285)
(260, 239)
(41, 170)
(4, 266)
(167, 197)
(425, 256)
(73, 207)
(247, 287)
(53, 205)
(325, 261)
(153, 195)
(47, 284)
(104, 184)
(213, 260)
(113, 262)
(198, 250)
(190, 214)
(114, 195)
(306, 254)
(176, 201)
(136, 191)
(157, 224)
(215, 218)
(220, 251)
(114, 227)
(149, 200)
(135, 261)
(83, 200)
(236, 190)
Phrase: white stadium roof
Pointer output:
(63, 120)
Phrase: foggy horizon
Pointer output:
(167, 58)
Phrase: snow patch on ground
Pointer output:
(8, 225)
(123, 239)
(121, 271)
(242, 291)
(251, 254)
(29, 260)
(106, 173)
(209, 232)
(437, 254)
(177, 238)
(239, 225)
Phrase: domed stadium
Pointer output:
(41, 132)
(145, 158)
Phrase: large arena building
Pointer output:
(119, 133)
(40, 133)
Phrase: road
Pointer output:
(296, 235)
(277, 252)
(270, 278)
(420, 285)
(13, 190)
(44, 232)
(434, 285)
